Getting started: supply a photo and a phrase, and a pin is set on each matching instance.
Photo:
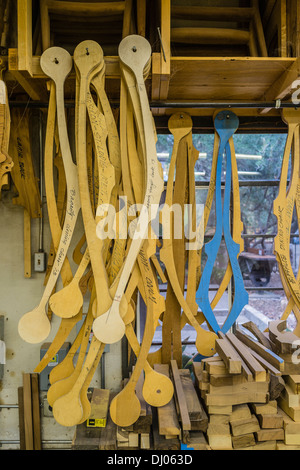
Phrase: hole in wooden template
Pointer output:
(56, 61)
(158, 391)
(134, 49)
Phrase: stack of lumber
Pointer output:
(286, 345)
(183, 419)
(238, 386)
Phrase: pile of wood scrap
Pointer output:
(239, 387)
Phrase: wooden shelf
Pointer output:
(224, 79)
(184, 79)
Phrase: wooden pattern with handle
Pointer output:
(87, 57)
(287, 199)
(55, 221)
(135, 53)
(34, 326)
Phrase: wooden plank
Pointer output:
(236, 398)
(167, 416)
(226, 380)
(255, 367)
(145, 441)
(194, 406)
(270, 421)
(276, 386)
(294, 382)
(269, 435)
(244, 441)
(267, 354)
(165, 48)
(229, 355)
(84, 9)
(268, 408)
(216, 367)
(273, 370)
(24, 12)
(264, 445)
(240, 412)
(36, 415)
(241, 427)
(141, 17)
(211, 13)
(181, 399)
(293, 413)
(159, 441)
(259, 387)
(291, 429)
(219, 437)
(28, 425)
(198, 441)
(219, 409)
(292, 399)
(21, 418)
(219, 419)
(253, 328)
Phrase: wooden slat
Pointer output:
(255, 367)
(211, 13)
(167, 416)
(85, 8)
(268, 355)
(181, 400)
(21, 418)
(25, 35)
(28, 425)
(36, 418)
(229, 355)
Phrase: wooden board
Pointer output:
(28, 423)
(244, 426)
(167, 416)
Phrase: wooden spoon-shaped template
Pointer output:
(135, 53)
(205, 341)
(87, 57)
(283, 209)
(34, 326)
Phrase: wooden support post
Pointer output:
(36, 418)
(28, 425)
(165, 56)
(25, 35)
(21, 418)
